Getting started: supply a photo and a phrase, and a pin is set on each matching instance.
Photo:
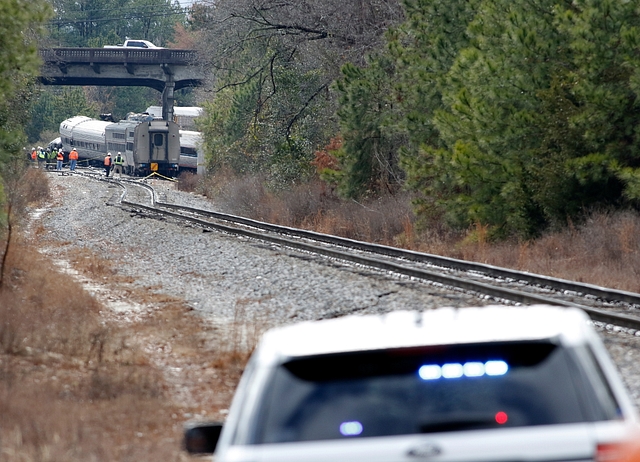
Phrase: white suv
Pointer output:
(472, 384)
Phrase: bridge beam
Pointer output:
(168, 101)
(165, 70)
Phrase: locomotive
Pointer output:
(147, 144)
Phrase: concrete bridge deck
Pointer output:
(164, 69)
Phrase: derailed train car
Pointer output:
(147, 144)
(191, 152)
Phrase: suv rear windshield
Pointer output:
(428, 389)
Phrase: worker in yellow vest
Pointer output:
(42, 158)
(118, 163)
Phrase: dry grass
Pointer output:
(604, 250)
(70, 386)
(78, 382)
(312, 206)
(188, 181)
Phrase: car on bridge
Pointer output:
(134, 44)
(491, 383)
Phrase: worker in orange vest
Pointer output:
(73, 159)
(34, 154)
(108, 163)
(59, 160)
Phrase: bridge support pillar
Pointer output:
(168, 100)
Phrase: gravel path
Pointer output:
(227, 278)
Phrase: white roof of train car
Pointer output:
(90, 130)
(188, 111)
(190, 138)
(66, 126)
(120, 126)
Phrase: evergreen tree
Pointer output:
(368, 160)
(19, 64)
(55, 105)
(490, 124)
(605, 38)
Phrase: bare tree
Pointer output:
(316, 34)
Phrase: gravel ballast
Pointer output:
(224, 277)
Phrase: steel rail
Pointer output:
(440, 278)
(610, 295)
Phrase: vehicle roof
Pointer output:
(440, 326)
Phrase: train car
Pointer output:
(120, 137)
(191, 153)
(148, 144)
(156, 147)
(86, 135)
(185, 116)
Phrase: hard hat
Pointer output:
(119, 153)
(108, 153)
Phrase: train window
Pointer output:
(158, 139)
(189, 152)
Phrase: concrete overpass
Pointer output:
(164, 69)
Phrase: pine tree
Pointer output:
(368, 157)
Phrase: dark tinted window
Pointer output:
(189, 152)
(420, 390)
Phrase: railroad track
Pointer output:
(609, 306)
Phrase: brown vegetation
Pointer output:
(80, 382)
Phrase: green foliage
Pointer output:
(18, 65)
(368, 160)
(386, 109)
(490, 120)
(521, 114)
(55, 105)
(108, 22)
(267, 125)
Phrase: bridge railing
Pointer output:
(118, 55)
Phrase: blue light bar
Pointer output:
(469, 369)
(353, 428)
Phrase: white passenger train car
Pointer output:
(191, 153)
(85, 134)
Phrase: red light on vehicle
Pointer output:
(608, 452)
(502, 417)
